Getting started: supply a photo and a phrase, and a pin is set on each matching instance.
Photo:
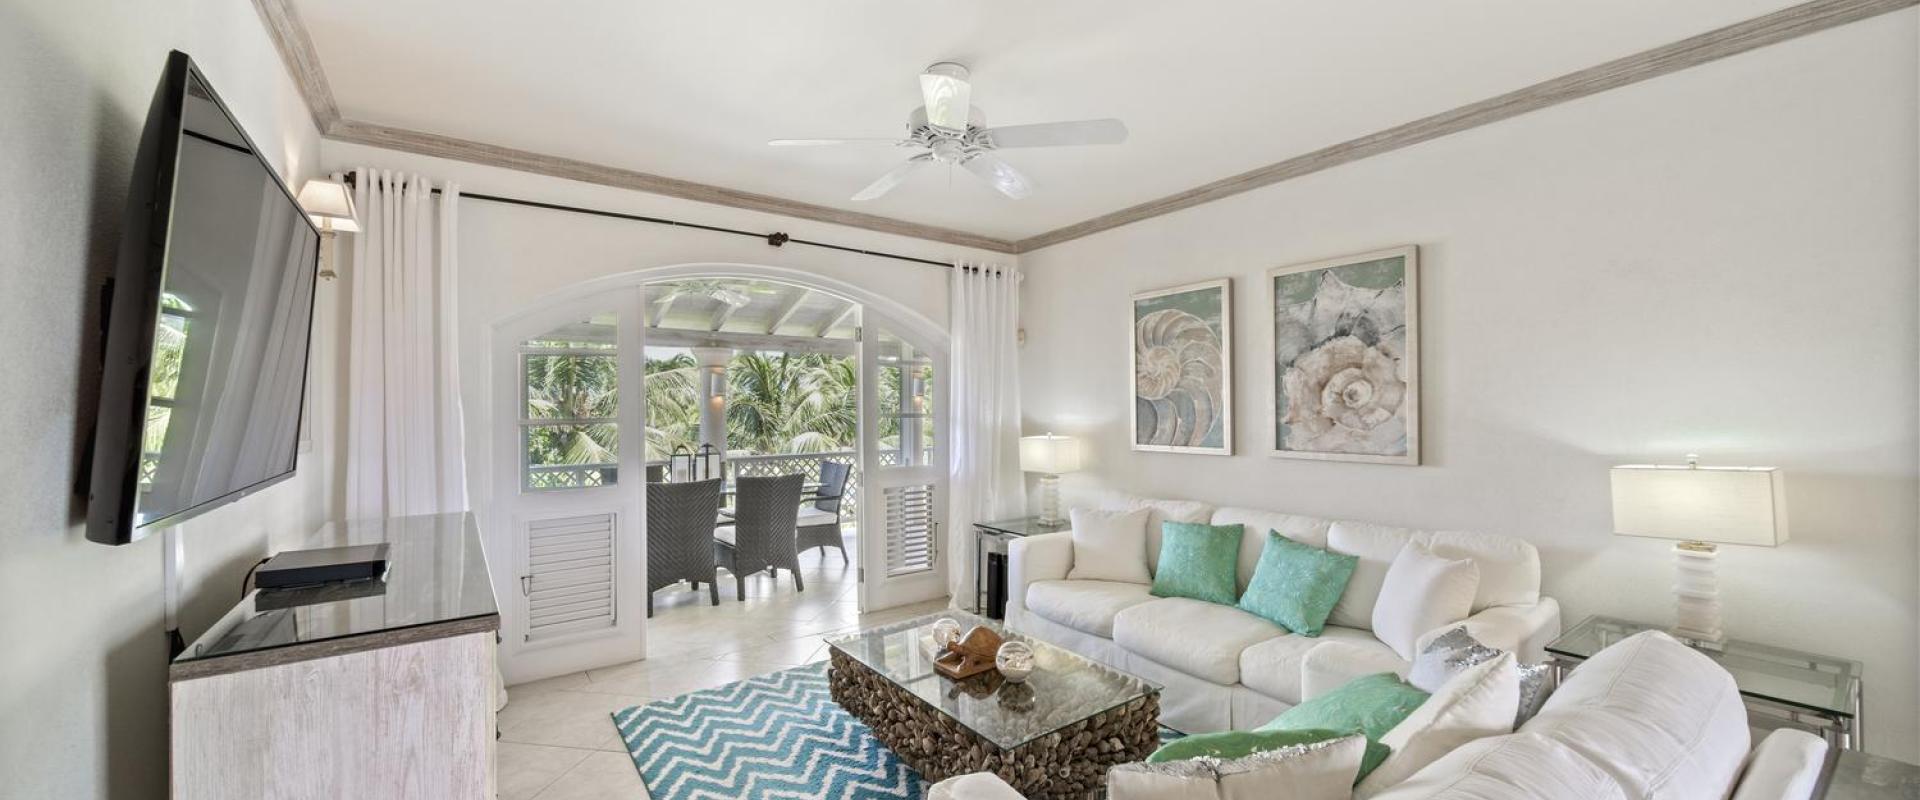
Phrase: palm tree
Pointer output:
(673, 405)
(792, 403)
(576, 392)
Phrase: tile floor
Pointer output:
(556, 741)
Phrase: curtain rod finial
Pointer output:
(777, 238)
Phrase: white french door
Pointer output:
(903, 468)
(567, 477)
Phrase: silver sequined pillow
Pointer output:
(1454, 651)
(1322, 770)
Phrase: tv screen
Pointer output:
(207, 322)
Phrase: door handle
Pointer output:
(526, 581)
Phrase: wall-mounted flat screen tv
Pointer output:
(206, 324)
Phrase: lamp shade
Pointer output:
(1049, 454)
(330, 205)
(1728, 505)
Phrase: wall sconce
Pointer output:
(331, 206)
(716, 383)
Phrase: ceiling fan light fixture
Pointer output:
(948, 95)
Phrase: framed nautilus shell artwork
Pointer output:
(1346, 358)
(1183, 369)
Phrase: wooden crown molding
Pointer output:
(1734, 39)
(296, 48)
(303, 62)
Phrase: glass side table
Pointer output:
(1805, 690)
(989, 558)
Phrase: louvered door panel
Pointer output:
(569, 581)
(910, 528)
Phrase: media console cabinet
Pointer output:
(380, 689)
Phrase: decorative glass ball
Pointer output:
(1015, 661)
(945, 632)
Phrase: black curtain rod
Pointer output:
(775, 239)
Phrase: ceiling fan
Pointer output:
(952, 131)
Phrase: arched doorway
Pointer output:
(596, 387)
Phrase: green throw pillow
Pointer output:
(1369, 705)
(1295, 586)
(1199, 561)
(1236, 744)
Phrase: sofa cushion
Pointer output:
(1517, 767)
(1332, 664)
(1197, 561)
(1201, 639)
(1422, 592)
(1376, 546)
(1109, 546)
(1296, 585)
(1303, 529)
(1085, 606)
(1664, 720)
(1475, 704)
(1509, 567)
(1273, 667)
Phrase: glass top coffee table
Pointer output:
(1807, 690)
(1054, 735)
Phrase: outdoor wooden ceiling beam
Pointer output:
(798, 299)
(835, 320)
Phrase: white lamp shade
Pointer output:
(329, 204)
(1049, 454)
(1728, 505)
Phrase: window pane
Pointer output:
(570, 456)
(571, 373)
(571, 387)
(906, 404)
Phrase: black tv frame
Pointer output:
(130, 308)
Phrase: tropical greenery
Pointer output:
(777, 403)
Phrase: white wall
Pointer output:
(514, 259)
(1720, 261)
(82, 648)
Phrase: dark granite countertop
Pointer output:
(437, 585)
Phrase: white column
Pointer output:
(713, 395)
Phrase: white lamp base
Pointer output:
(1050, 500)
(1696, 592)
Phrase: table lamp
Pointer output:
(1050, 456)
(330, 205)
(1702, 508)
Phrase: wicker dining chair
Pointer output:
(820, 526)
(761, 536)
(680, 519)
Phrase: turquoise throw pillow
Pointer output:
(1199, 561)
(1236, 744)
(1369, 705)
(1296, 586)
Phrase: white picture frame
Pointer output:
(1306, 358)
(1179, 380)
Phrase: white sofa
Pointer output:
(1645, 719)
(1223, 668)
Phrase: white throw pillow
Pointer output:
(1375, 546)
(1477, 703)
(1315, 771)
(1109, 546)
(1421, 593)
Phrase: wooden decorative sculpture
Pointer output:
(970, 656)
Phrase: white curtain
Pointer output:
(404, 427)
(984, 481)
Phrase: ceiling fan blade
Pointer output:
(816, 142)
(893, 178)
(947, 93)
(1000, 175)
(1053, 134)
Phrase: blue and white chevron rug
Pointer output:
(778, 735)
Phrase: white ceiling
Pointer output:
(693, 90)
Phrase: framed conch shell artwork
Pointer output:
(1346, 358)
(1183, 369)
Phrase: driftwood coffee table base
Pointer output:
(1069, 763)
